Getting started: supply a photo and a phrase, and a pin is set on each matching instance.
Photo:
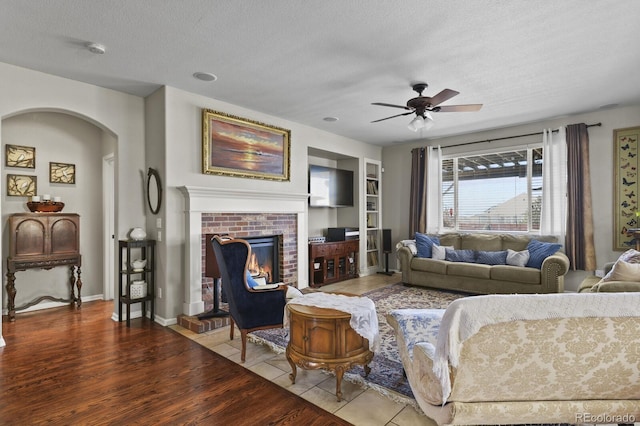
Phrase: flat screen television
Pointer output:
(330, 187)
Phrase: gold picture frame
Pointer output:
(235, 146)
(22, 185)
(62, 173)
(20, 156)
(625, 187)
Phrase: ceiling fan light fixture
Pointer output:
(416, 124)
(422, 121)
(428, 121)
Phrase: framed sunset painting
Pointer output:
(235, 146)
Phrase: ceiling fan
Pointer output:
(422, 106)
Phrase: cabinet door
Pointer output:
(354, 344)
(297, 333)
(64, 235)
(321, 340)
(332, 265)
(29, 237)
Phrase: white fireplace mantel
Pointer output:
(200, 200)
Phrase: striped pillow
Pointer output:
(492, 257)
(468, 256)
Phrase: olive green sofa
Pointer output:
(480, 278)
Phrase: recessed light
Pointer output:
(96, 48)
(331, 119)
(205, 76)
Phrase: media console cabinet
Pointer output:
(43, 241)
(332, 262)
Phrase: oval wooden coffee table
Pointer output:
(323, 338)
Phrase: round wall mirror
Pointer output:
(154, 190)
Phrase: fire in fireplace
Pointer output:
(265, 257)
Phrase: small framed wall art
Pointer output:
(20, 156)
(62, 173)
(21, 185)
(234, 146)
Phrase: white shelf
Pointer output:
(372, 217)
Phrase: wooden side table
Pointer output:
(323, 338)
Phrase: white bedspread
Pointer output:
(364, 319)
(464, 317)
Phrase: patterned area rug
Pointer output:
(386, 368)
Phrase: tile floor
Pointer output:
(358, 406)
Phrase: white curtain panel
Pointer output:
(553, 217)
(434, 186)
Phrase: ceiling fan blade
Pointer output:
(459, 108)
(393, 116)
(445, 95)
(390, 105)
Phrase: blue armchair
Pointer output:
(248, 308)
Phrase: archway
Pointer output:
(62, 136)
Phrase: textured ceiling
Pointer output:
(525, 60)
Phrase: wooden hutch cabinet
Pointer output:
(43, 241)
(333, 262)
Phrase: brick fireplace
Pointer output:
(282, 227)
(242, 213)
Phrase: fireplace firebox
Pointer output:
(265, 257)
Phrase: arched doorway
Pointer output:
(60, 136)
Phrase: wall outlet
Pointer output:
(159, 223)
(159, 235)
(159, 292)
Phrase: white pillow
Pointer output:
(439, 252)
(629, 256)
(517, 258)
(411, 245)
(623, 271)
(292, 292)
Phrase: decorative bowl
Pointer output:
(45, 206)
(139, 264)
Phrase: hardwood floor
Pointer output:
(67, 366)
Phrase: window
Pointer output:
(500, 191)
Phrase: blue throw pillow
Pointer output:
(492, 257)
(539, 251)
(424, 243)
(468, 256)
(250, 281)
